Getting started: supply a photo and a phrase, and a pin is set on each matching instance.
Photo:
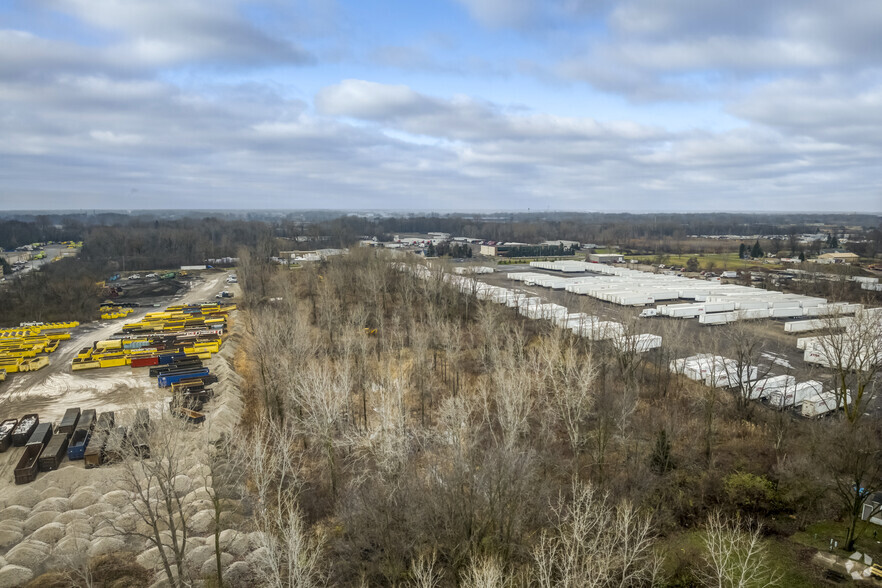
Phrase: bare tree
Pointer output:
(255, 273)
(290, 552)
(512, 402)
(852, 350)
(571, 380)
(222, 475)
(451, 339)
(423, 572)
(485, 572)
(281, 342)
(596, 543)
(78, 568)
(735, 557)
(852, 453)
(321, 398)
(750, 363)
(156, 497)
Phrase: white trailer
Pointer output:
(684, 310)
(725, 374)
(602, 330)
(703, 367)
(578, 327)
(718, 318)
(524, 303)
(795, 396)
(785, 303)
(633, 299)
(820, 404)
(765, 387)
(746, 305)
(804, 343)
(785, 311)
(637, 343)
(718, 306)
(815, 324)
(752, 314)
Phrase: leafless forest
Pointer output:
(403, 433)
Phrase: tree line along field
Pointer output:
(435, 440)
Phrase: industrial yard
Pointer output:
(52, 390)
(396, 396)
(678, 316)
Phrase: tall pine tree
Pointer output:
(757, 251)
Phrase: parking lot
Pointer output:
(776, 351)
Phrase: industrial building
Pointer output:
(838, 257)
(606, 258)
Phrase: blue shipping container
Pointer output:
(167, 380)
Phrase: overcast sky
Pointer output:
(640, 105)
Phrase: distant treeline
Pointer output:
(626, 230)
(14, 233)
(61, 291)
(155, 240)
(170, 244)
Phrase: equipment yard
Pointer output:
(52, 390)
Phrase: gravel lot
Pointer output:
(55, 388)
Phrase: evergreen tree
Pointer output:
(742, 251)
(430, 250)
(757, 251)
(661, 460)
(802, 256)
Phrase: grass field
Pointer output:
(710, 261)
(522, 260)
(819, 535)
(687, 548)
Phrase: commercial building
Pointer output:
(838, 257)
(606, 258)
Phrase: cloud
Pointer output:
(134, 98)
(693, 49)
(375, 145)
(830, 108)
(116, 138)
(169, 32)
(461, 117)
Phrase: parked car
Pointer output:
(135, 276)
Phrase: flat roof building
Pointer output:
(606, 257)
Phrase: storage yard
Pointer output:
(75, 390)
(617, 293)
